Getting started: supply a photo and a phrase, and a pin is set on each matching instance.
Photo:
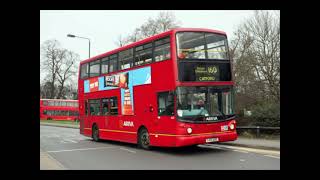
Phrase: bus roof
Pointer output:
(150, 39)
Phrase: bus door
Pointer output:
(84, 120)
(165, 113)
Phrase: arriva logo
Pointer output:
(128, 123)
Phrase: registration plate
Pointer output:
(209, 140)
(224, 128)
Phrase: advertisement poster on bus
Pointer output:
(125, 82)
(118, 80)
(93, 84)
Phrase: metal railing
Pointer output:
(257, 128)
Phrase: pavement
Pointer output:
(47, 162)
(271, 144)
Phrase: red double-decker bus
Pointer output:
(59, 109)
(172, 89)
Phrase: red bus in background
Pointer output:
(59, 109)
(172, 89)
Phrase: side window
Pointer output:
(44, 112)
(94, 105)
(62, 103)
(84, 71)
(143, 54)
(65, 113)
(162, 49)
(94, 68)
(45, 103)
(126, 58)
(165, 104)
(113, 106)
(105, 107)
(113, 63)
(50, 103)
(105, 65)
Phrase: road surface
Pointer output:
(65, 148)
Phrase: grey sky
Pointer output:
(103, 27)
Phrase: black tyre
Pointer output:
(95, 133)
(144, 140)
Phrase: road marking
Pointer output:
(68, 150)
(70, 140)
(272, 156)
(212, 146)
(260, 151)
(128, 150)
(242, 160)
(241, 151)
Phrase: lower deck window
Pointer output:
(94, 107)
(104, 107)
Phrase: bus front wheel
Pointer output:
(144, 140)
(95, 133)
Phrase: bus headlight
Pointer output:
(189, 130)
(232, 126)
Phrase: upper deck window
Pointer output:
(45, 103)
(94, 68)
(126, 58)
(113, 63)
(202, 45)
(143, 54)
(84, 71)
(162, 49)
(105, 65)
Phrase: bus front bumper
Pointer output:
(205, 139)
(193, 139)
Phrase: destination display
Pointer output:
(206, 73)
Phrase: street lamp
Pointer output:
(73, 36)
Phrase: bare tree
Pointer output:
(121, 41)
(51, 55)
(45, 89)
(163, 22)
(66, 70)
(59, 65)
(256, 54)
